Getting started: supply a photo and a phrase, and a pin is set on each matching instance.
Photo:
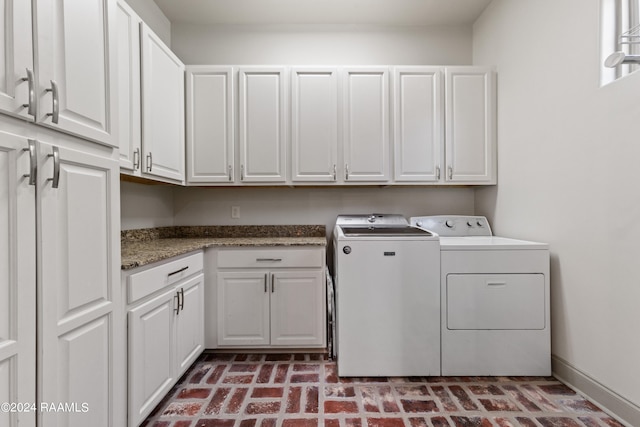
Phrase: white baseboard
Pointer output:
(617, 406)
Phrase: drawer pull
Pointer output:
(181, 299)
(268, 259)
(265, 283)
(178, 271)
(176, 297)
(495, 284)
(273, 285)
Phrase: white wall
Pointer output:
(569, 174)
(151, 14)
(145, 206)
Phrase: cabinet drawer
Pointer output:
(139, 285)
(270, 258)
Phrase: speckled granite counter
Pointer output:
(149, 245)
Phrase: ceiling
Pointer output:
(325, 12)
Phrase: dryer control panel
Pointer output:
(454, 225)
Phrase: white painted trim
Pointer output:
(615, 405)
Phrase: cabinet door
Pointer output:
(298, 314)
(470, 150)
(17, 281)
(262, 124)
(210, 136)
(81, 329)
(151, 349)
(129, 134)
(189, 323)
(163, 109)
(418, 123)
(366, 124)
(16, 58)
(314, 124)
(76, 57)
(243, 308)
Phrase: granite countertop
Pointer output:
(149, 245)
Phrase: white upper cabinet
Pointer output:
(76, 74)
(314, 124)
(262, 124)
(210, 124)
(470, 99)
(418, 123)
(17, 90)
(129, 133)
(366, 124)
(163, 109)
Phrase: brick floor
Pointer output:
(303, 390)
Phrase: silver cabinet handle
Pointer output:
(335, 172)
(273, 283)
(265, 283)
(181, 299)
(268, 259)
(176, 298)
(136, 159)
(450, 172)
(346, 172)
(33, 163)
(31, 106)
(230, 173)
(178, 271)
(55, 114)
(438, 172)
(149, 162)
(55, 181)
(241, 172)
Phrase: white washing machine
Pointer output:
(494, 299)
(387, 289)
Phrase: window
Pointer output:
(619, 32)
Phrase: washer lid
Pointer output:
(383, 231)
(487, 243)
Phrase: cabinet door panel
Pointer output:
(76, 49)
(298, 308)
(190, 323)
(151, 348)
(16, 56)
(163, 109)
(243, 308)
(314, 114)
(79, 280)
(262, 125)
(210, 136)
(17, 280)
(419, 124)
(366, 124)
(470, 128)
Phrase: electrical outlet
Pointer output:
(235, 212)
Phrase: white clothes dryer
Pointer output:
(494, 299)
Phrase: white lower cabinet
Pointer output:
(166, 321)
(282, 305)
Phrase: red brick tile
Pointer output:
(369, 399)
(312, 367)
(471, 422)
(330, 374)
(238, 379)
(233, 407)
(540, 400)
(412, 391)
(589, 421)
(248, 422)
(418, 422)
(263, 408)
(526, 422)
(440, 422)
(521, 398)
(241, 358)
(495, 405)
(579, 405)
(255, 357)
(259, 392)
(281, 373)
(463, 398)
(183, 409)
(485, 389)
(611, 422)
(339, 391)
(298, 357)
(159, 424)
(331, 422)
(215, 423)
(268, 422)
(385, 422)
(216, 402)
(312, 400)
(278, 357)
(194, 393)
(353, 422)
(243, 368)
(183, 423)
(216, 374)
(218, 357)
(302, 422)
(304, 378)
(389, 403)
(293, 400)
(557, 422)
(316, 357)
(265, 373)
(199, 373)
(503, 422)
(445, 399)
(557, 389)
(340, 406)
(419, 406)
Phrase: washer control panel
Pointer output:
(453, 225)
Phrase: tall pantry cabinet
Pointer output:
(62, 348)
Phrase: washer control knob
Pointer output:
(346, 250)
(479, 223)
(372, 218)
(419, 223)
(469, 223)
(449, 223)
